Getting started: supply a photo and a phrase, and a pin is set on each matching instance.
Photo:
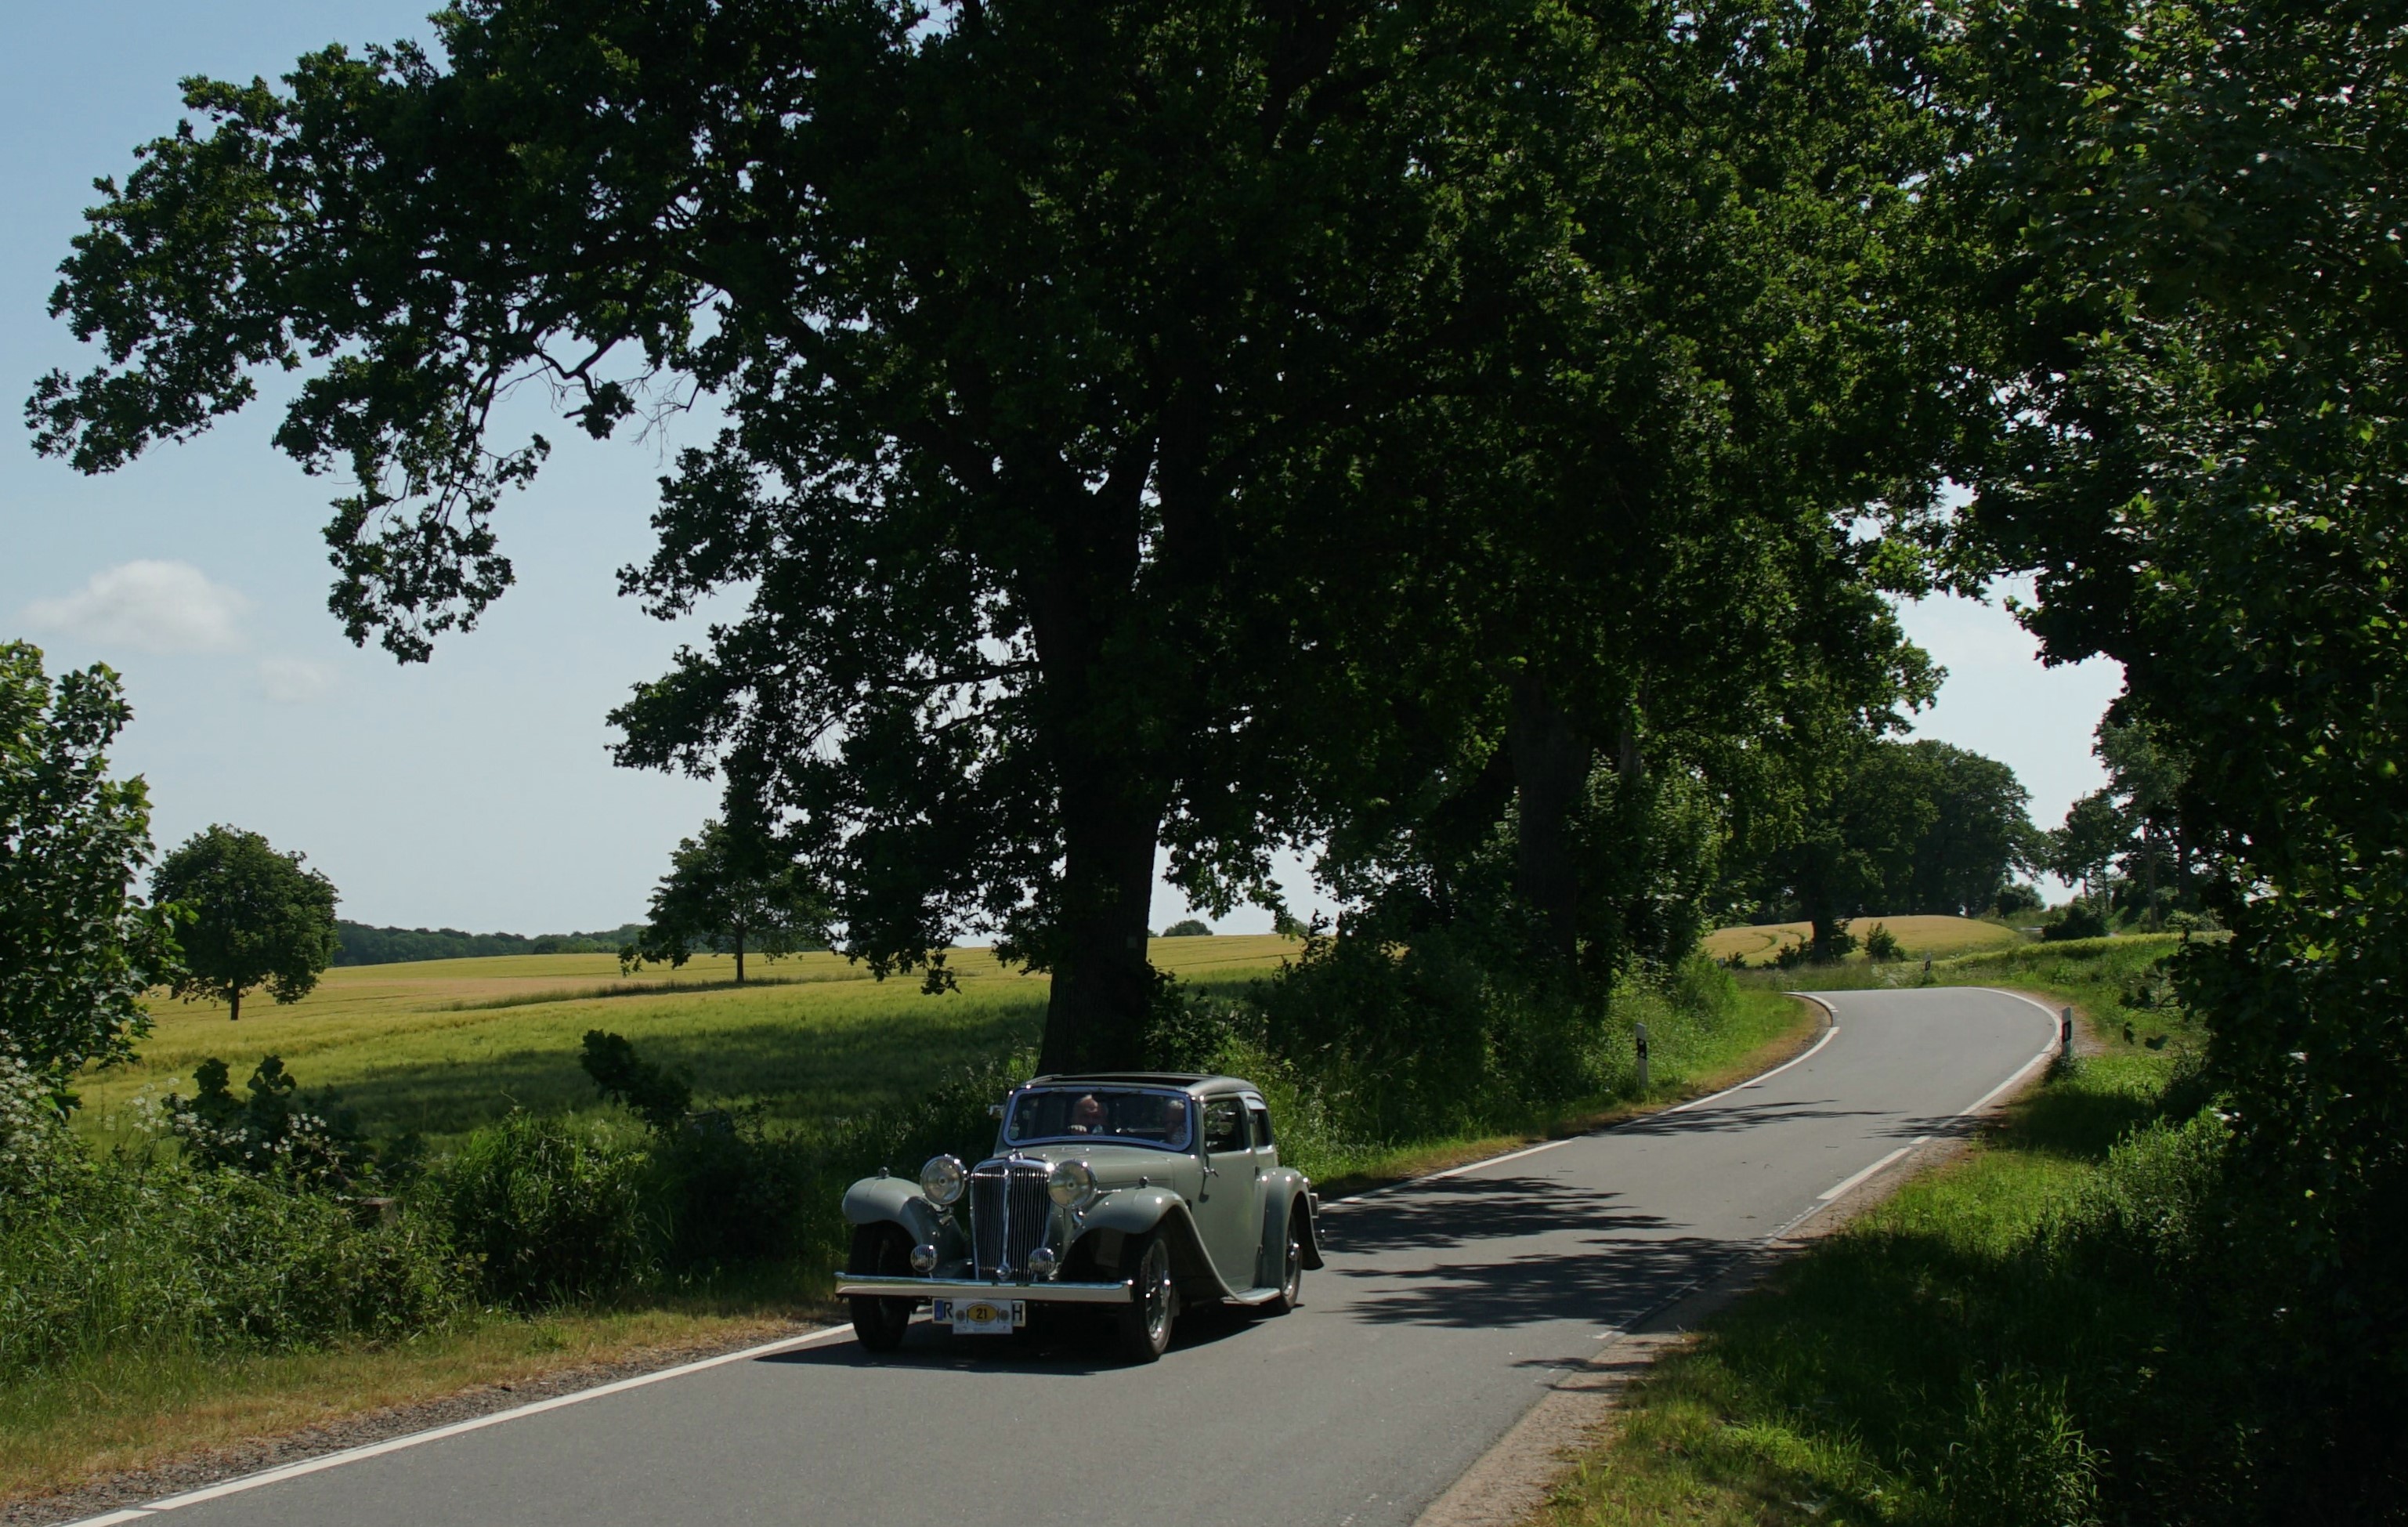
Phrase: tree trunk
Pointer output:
(1103, 984)
(1551, 764)
(233, 1004)
(739, 956)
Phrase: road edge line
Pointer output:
(244, 1483)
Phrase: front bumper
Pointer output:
(1035, 1293)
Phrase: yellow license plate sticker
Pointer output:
(982, 1317)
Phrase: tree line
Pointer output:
(1480, 441)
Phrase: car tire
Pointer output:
(884, 1251)
(1144, 1327)
(1291, 1283)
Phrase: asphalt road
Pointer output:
(1447, 1306)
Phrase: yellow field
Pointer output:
(442, 1045)
(1935, 937)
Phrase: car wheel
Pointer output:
(1291, 1286)
(884, 1251)
(1145, 1325)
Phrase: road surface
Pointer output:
(1448, 1305)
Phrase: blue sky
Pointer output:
(476, 790)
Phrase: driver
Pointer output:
(1087, 1115)
(1174, 1121)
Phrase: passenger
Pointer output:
(1174, 1122)
(1086, 1116)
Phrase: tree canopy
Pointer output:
(1042, 336)
(253, 917)
(78, 947)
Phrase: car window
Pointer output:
(1125, 1115)
(1224, 1125)
(1262, 1122)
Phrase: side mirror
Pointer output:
(995, 1110)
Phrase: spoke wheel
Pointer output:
(879, 1250)
(1291, 1287)
(1145, 1325)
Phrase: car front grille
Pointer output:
(1008, 1207)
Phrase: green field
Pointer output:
(441, 1046)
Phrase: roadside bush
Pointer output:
(547, 1211)
(2078, 920)
(273, 1131)
(1881, 945)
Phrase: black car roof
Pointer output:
(1189, 1080)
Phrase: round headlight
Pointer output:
(1069, 1182)
(942, 1179)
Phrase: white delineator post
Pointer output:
(2065, 1036)
(1639, 1036)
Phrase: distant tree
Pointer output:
(1188, 928)
(257, 918)
(726, 891)
(77, 945)
(1981, 831)
(2016, 897)
(2095, 831)
(1855, 844)
(2146, 771)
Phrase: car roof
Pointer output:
(1187, 1080)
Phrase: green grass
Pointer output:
(440, 1047)
(1942, 1359)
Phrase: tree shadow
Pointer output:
(1612, 1281)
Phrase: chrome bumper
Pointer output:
(1037, 1293)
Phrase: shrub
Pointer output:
(1881, 945)
(549, 1211)
(2078, 920)
(273, 1131)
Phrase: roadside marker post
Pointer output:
(1639, 1034)
(2065, 1036)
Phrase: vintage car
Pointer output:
(1126, 1194)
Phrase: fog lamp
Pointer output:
(1043, 1261)
(924, 1257)
(1069, 1182)
(942, 1180)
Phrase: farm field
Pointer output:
(1934, 938)
(440, 1046)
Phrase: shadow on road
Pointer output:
(1610, 1281)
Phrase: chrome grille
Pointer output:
(1007, 1213)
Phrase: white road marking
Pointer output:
(1828, 1194)
(1828, 1034)
(414, 1439)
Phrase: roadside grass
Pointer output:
(127, 1410)
(1942, 1359)
(438, 1048)
(1936, 937)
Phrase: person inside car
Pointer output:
(1087, 1115)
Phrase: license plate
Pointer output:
(981, 1316)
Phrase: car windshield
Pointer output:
(1107, 1113)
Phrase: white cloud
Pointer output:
(294, 681)
(164, 607)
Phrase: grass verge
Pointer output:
(135, 1410)
(1953, 1355)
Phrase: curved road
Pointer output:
(1448, 1306)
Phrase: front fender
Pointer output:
(897, 1202)
(1135, 1211)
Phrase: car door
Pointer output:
(1227, 1207)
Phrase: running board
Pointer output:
(1254, 1296)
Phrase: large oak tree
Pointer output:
(1010, 313)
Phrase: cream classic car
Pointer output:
(1129, 1194)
